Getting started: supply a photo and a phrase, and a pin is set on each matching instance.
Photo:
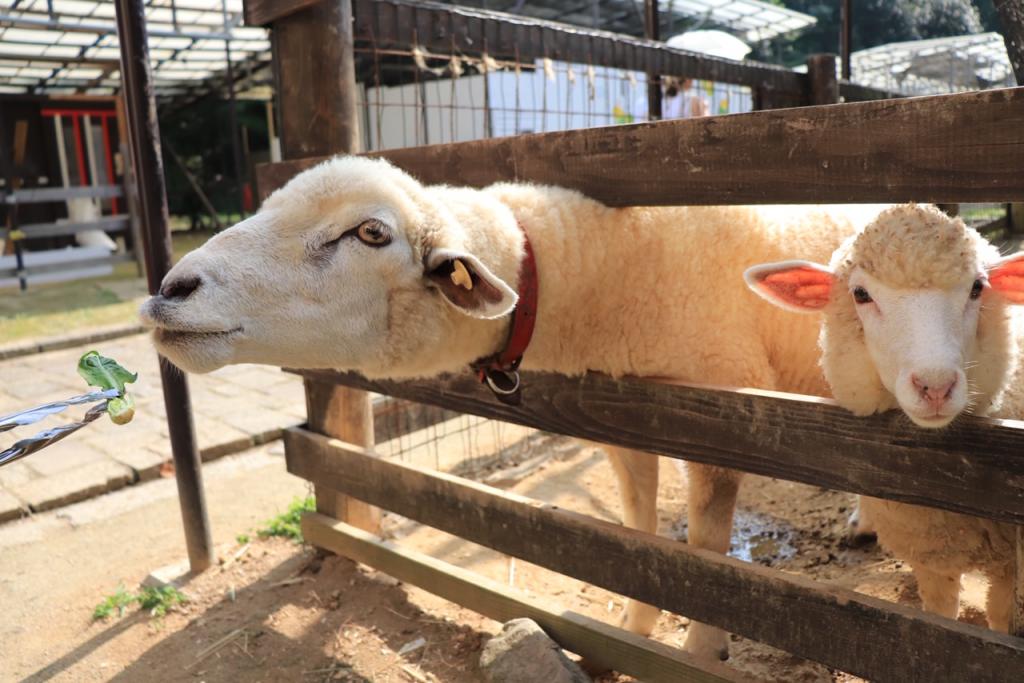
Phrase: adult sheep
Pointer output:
(917, 316)
(355, 265)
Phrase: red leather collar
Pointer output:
(500, 372)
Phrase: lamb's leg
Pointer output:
(940, 593)
(712, 500)
(1000, 602)
(638, 486)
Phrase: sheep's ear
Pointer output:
(1007, 277)
(468, 285)
(799, 286)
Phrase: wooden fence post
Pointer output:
(821, 79)
(1011, 19)
(314, 73)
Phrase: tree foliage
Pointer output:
(200, 134)
(877, 22)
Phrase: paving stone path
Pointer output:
(235, 408)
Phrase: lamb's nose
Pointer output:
(935, 390)
(181, 288)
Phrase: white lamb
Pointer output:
(355, 265)
(916, 316)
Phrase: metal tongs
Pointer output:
(46, 437)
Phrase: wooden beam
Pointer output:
(445, 28)
(883, 151)
(316, 89)
(856, 633)
(348, 415)
(823, 86)
(974, 466)
(263, 12)
(599, 643)
(317, 98)
(1017, 611)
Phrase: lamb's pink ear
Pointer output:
(468, 285)
(1007, 277)
(799, 286)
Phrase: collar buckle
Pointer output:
(504, 384)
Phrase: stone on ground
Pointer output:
(523, 653)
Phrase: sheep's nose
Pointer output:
(180, 288)
(935, 388)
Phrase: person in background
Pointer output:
(680, 100)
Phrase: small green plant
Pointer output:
(157, 601)
(121, 600)
(287, 524)
(242, 539)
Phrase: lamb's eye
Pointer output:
(374, 233)
(861, 296)
(977, 289)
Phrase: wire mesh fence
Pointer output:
(414, 97)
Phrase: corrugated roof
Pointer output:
(70, 46)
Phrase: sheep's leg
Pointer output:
(712, 501)
(940, 592)
(999, 603)
(638, 486)
(860, 529)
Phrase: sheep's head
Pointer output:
(351, 265)
(914, 314)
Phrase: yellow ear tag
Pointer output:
(460, 275)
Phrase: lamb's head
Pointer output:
(915, 314)
(351, 265)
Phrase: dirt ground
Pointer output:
(279, 612)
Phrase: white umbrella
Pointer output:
(715, 43)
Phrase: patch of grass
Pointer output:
(286, 524)
(120, 600)
(62, 307)
(242, 539)
(983, 213)
(157, 601)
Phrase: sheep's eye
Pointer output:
(976, 289)
(374, 233)
(861, 296)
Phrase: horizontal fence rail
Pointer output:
(975, 466)
(602, 645)
(106, 223)
(71, 265)
(860, 634)
(59, 194)
(453, 29)
(965, 147)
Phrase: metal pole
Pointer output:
(845, 36)
(1011, 20)
(651, 31)
(233, 112)
(144, 134)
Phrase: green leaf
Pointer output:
(105, 373)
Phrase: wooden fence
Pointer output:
(955, 148)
